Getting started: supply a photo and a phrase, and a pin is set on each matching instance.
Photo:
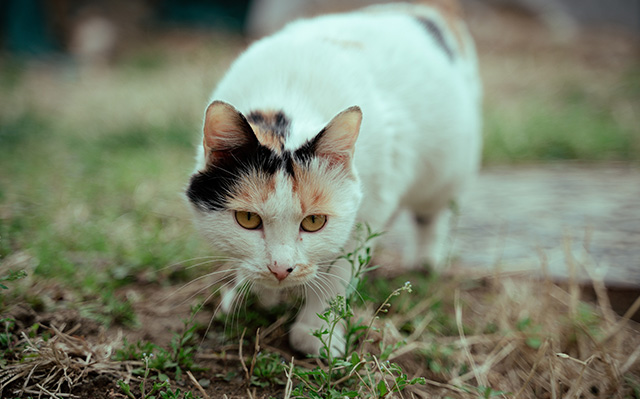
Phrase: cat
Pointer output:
(337, 120)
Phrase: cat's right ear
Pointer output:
(337, 140)
(225, 129)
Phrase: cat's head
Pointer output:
(280, 213)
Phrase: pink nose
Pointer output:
(280, 272)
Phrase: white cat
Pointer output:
(347, 118)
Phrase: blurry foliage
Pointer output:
(577, 126)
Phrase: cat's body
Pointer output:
(340, 119)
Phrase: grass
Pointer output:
(92, 169)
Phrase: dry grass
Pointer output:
(55, 364)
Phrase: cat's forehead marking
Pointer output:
(271, 128)
(252, 189)
(313, 185)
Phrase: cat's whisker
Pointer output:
(212, 261)
(328, 287)
(210, 257)
(349, 283)
(239, 293)
(317, 290)
(215, 312)
(195, 280)
(208, 286)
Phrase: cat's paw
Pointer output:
(301, 338)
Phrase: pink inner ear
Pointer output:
(339, 138)
(225, 128)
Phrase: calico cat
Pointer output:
(337, 120)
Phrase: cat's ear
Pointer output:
(225, 129)
(337, 140)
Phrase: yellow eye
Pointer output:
(313, 223)
(248, 220)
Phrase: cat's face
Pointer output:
(282, 215)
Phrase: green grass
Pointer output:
(572, 125)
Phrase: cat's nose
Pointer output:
(280, 271)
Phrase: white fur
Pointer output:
(419, 141)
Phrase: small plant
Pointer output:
(13, 275)
(268, 369)
(178, 359)
(358, 373)
(156, 389)
(111, 310)
(8, 340)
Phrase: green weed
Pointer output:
(159, 386)
(179, 358)
(358, 373)
(268, 369)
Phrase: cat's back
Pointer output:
(353, 58)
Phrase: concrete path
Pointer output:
(551, 217)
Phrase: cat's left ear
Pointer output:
(225, 130)
(337, 140)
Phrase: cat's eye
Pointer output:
(248, 220)
(313, 223)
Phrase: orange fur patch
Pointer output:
(269, 128)
(313, 192)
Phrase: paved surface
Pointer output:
(519, 218)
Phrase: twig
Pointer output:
(630, 361)
(256, 349)
(623, 321)
(244, 365)
(197, 385)
(288, 388)
(458, 310)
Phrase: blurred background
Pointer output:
(101, 105)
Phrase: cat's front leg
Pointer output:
(268, 298)
(328, 285)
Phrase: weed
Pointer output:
(532, 332)
(13, 275)
(358, 373)
(268, 370)
(156, 390)
(178, 359)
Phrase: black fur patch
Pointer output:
(308, 149)
(434, 30)
(210, 189)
